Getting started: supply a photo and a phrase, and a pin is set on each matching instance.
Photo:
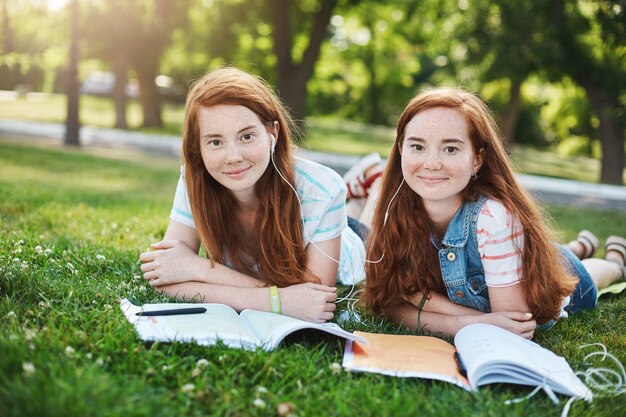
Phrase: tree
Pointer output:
(505, 41)
(293, 74)
(155, 30)
(7, 32)
(591, 35)
(134, 35)
(72, 124)
(116, 20)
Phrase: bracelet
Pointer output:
(274, 300)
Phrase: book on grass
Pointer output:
(249, 329)
(484, 354)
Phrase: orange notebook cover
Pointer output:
(405, 356)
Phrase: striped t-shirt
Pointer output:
(322, 194)
(500, 239)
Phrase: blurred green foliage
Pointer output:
(554, 72)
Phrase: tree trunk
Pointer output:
(293, 77)
(149, 97)
(7, 33)
(509, 117)
(119, 89)
(72, 123)
(369, 59)
(611, 133)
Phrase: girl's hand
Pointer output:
(310, 302)
(514, 321)
(172, 262)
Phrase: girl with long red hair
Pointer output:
(273, 226)
(460, 239)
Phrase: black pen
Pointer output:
(173, 312)
(460, 364)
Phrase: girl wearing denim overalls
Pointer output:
(461, 241)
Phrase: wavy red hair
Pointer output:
(281, 257)
(412, 266)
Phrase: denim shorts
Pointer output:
(359, 228)
(585, 294)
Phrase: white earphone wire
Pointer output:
(350, 293)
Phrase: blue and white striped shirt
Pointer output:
(322, 194)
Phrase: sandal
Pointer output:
(589, 242)
(616, 244)
(356, 180)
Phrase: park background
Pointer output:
(73, 220)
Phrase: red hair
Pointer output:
(281, 257)
(413, 266)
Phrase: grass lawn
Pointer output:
(72, 225)
(327, 135)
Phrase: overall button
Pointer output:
(459, 294)
(474, 285)
(451, 256)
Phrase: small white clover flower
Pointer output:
(89, 355)
(188, 388)
(47, 252)
(335, 367)
(196, 372)
(202, 363)
(284, 409)
(28, 368)
(259, 403)
(101, 257)
(69, 351)
(38, 250)
(29, 334)
(11, 314)
(165, 368)
(100, 362)
(261, 390)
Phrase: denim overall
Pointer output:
(462, 269)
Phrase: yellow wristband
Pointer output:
(274, 300)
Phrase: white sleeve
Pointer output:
(181, 209)
(500, 239)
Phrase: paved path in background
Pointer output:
(549, 190)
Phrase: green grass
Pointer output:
(327, 135)
(72, 225)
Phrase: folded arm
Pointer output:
(407, 314)
(175, 268)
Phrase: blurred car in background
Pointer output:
(100, 83)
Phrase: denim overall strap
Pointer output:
(459, 259)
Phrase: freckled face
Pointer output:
(235, 147)
(438, 159)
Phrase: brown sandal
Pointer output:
(589, 242)
(616, 244)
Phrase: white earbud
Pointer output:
(272, 143)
